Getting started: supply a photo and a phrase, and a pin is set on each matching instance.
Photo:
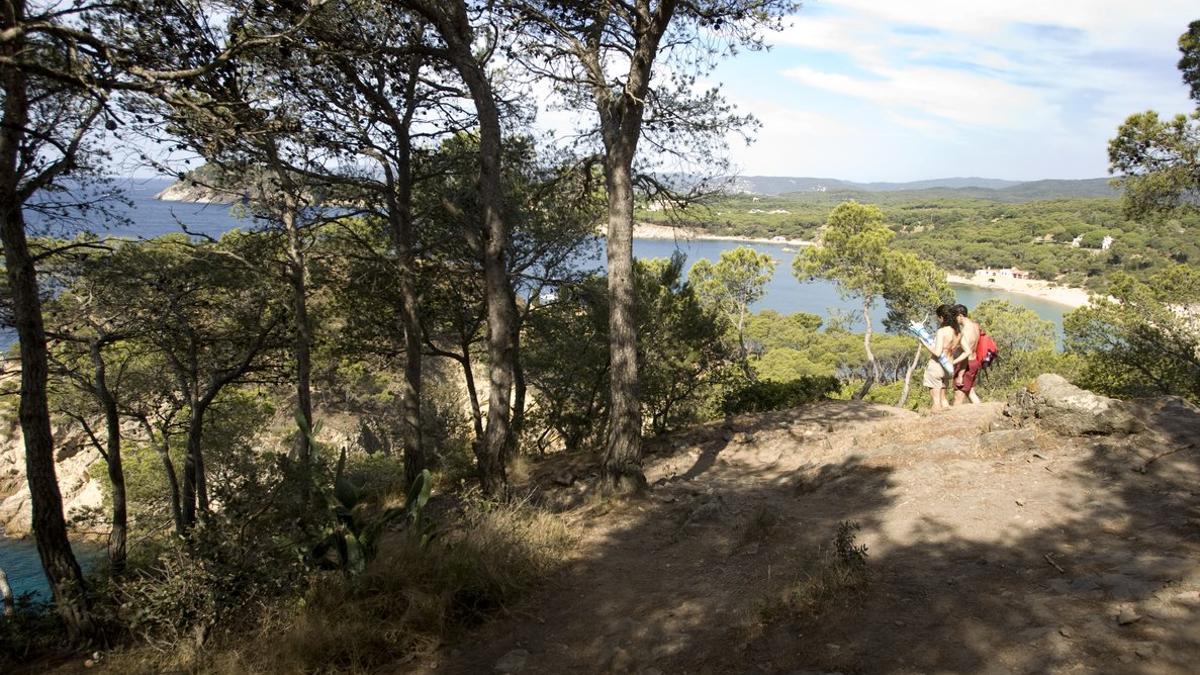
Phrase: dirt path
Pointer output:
(1012, 551)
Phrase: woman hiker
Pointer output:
(945, 341)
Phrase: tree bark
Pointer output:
(112, 457)
(621, 113)
(912, 366)
(622, 471)
(872, 364)
(298, 280)
(403, 237)
(163, 448)
(49, 525)
(472, 392)
(454, 27)
(741, 333)
(195, 482)
(518, 413)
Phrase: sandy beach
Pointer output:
(655, 231)
(1044, 290)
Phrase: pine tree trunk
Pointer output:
(872, 364)
(404, 241)
(472, 391)
(518, 411)
(116, 474)
(912, 366)
(298, 280)
(49, 525)
(454, 26)
(622, 471)
(195, 485)
(164, 453)
(501, 309)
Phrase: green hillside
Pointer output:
(964, 232)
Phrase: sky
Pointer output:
(883, 90)
(891, 90)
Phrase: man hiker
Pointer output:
(966, 364)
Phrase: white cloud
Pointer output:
(950, 94)
(1020, 89)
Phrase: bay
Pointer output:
(19, 560)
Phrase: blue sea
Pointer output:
(148, 217)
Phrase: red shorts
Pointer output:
(969, 370)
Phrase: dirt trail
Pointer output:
(990, 551)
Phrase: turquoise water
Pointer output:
(151, 218)
(786, 295)
(19, 559)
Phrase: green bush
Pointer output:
(29, 631)
(765, 395)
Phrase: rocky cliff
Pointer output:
(186, 191)
(74, 457)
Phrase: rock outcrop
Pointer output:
(74, 459)
(1059, 406)
(187, 191)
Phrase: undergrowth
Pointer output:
(410, 598)
(838, 575)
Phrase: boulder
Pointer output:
(1061, 407)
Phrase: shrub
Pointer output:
(838, 574)
(412, 595)
(30, 630)
(765, 395)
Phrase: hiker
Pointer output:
(966, 363)
(944, 343)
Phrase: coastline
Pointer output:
(672, 232)
(1068, 296)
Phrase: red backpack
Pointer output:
(986, 351)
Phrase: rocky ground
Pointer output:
(1059, 534)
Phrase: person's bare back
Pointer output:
(966, 366)
(969, 337)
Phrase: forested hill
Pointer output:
(981, 188)
(194, 188)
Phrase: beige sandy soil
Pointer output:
(990, 551)
(1062, 295)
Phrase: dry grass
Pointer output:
(838, 575)
(411, 598)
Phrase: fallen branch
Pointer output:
(1146, 466)
(1054, 564)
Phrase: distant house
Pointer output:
(1002, 273)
